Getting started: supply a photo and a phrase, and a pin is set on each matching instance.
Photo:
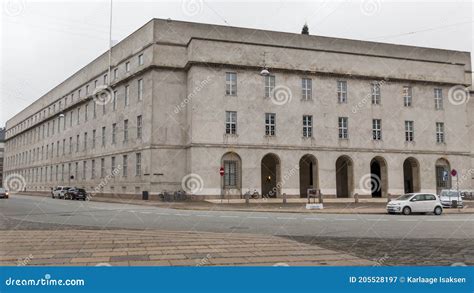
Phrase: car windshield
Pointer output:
(81, 190)
(405, 196)
(449, 193)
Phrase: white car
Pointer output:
(415, 203)
(60, 192)
(450, 197)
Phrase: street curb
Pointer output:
(217, 207)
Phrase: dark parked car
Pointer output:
(76, 193)
(3, 193)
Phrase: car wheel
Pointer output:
(406, 211)
(438, 211)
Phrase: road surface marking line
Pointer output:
(285, 218)
(314, 219)
(145, 212)
(207, 216)
(407, 220)
(257, 217)
(229, 216)
(377, 220)
(183, 215)
(344, 219)
(162, 214)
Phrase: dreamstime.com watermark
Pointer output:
(45, 281)
(204, 261)
(368, 98)
(178, 108)
(192, 183)
(370, 183)
(21, 262)
(105, 181)
(15, 182)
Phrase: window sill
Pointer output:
(231, 135)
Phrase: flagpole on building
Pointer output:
(110, 46)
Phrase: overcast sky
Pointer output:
(43, 43)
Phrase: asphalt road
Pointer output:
(114, 215)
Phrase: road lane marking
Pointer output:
(229, 216)
(285, 218)
(377, 220)
(256, 217)
(314, 219)
(183, 215)
(344, 219)
(407, 220)
(207, 216)
(162, 214)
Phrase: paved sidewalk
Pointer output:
(161, 248)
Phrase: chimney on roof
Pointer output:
(305, 30)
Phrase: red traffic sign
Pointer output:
(221, 171)
(454, 172)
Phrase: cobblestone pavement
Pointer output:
(387, 252)
(73, 246)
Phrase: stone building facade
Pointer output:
(279, 112)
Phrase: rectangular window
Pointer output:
(64, 146)
(115, 73)
(270, 124)
(112, 164)
(140, 89)
(231, 122)
(70, 145)
(231, 83)
(376, 129)
(269, 85)
(375, 93)
(439, 132)
(409, 131)
(126, 95)
(94, 110)
(307, 88)
(230, 174)
(85, 141)
(103, 136)
(342, 91)
(76, 171)
(106, 79)
(125, 130)
(140, 59)
(407, 96)
(114, 101)
(438, 96)
(114, 133)
(125, 165)
(92, 169)
(87, 90)
(77, 143)
(307, 126)
(102, 168)
(94, 132)
(139, 127)
(343, 128)
(84, 170)
(138, 167)
(127, 66)
(86, 109)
